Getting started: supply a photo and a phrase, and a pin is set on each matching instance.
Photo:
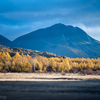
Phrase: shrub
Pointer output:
(4, 71)
(73, 70)
(87, 71)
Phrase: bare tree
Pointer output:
(34, 60)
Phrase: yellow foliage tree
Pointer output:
(67, 66)
(53, 64)
(38, 66)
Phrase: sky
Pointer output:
(19, 17)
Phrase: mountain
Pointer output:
(62, 40)
(2, 46)
(5, 41)
(58, 39)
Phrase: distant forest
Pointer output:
(25, 63)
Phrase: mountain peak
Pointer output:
(61, 25)
(58, 24)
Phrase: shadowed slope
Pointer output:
(5, 41)
(62, 40)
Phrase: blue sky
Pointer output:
(18, 17)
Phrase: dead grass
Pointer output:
(46, 76)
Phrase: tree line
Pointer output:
(25, 63)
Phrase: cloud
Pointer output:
(45, 5)
(94, 32)
(75, 11)
(12, 32)
(19, 17)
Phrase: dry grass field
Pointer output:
(49, 86)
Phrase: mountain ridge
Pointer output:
(5, 41)
(61, 40)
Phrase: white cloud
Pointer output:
(94, 32)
